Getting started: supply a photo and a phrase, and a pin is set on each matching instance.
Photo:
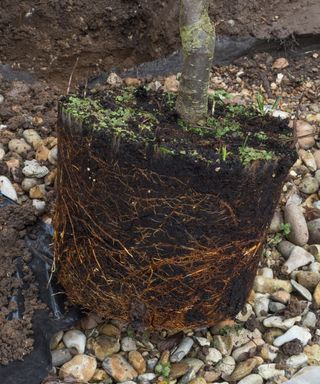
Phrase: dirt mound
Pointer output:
(48, 36)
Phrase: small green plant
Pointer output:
(261, 104)
(220, 95)
(163, 369)
(285, 229)
(248, 154)
(130, 332)
(261, 136)
(224, 153)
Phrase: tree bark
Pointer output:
(198, 38)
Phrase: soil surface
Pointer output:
(48, 37)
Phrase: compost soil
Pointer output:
(48, 37)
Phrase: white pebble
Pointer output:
(182, 350)
(297, 361)
(299, 257)
(75, 339)
(295, 332)
(302, 290)
(279, 322)
(310, 320)
(7, 189)
(252, 379)
(269, 371)
(213, 356)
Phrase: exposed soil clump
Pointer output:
(172, 213)
(18, 293)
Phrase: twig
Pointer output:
(70, 78)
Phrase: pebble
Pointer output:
(224, 344)
(100, 375)
(2, 153)
(185, 379)
(261, 304)
(281, 296)
(298, 258)
(271, 334)
(297, 361)
(179, 369)
(194, 364)
(39, 205)
(313, 354)
(132, 82)
(53, 155)
(146, 377)
(151, 363)
(309, 185)
(267, 285)
(103, 346)
(114, 80)
(268, 352)
(128, 344)
(38, 191)
(42, 153)
(275, 307)
(294, 216)
(81, 367)
(182, 350)
(119, 368)
(316, 296)
(308, 279)
(33, 169)
(109, 330)
(316, 156)
(244, 368)
(308, 159)
(213, 355)
(171, 84)
(285, 248)
(275, 225)
(296, 332)
(310, 320)
(241, 353)
(55, 339)
(305, 133)
(245, 313)
(32, 137)
(29, 183)
(314, 231)
(269, 371)
(226, 366)
(252, 379)
(60, 356)
(1, 99)
(203, 341)
(75, 339)
(19, 146)
(7, 189)
(302, 290)
(137, 361)
(279, 322)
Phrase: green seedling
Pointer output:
(248, 154)
(163, 369)
(224, 153)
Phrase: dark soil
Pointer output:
(18, 293)
(156, 199)
(48, 36)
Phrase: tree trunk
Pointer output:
(198, 38)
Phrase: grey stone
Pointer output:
(33, 169)
(309, 185)
(60, 357)
(182, 350)
(294, 216)
(314, 231)
(75, 339)
(302, 290)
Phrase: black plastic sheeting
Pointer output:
(36, 366)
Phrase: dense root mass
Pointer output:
(162, 238)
